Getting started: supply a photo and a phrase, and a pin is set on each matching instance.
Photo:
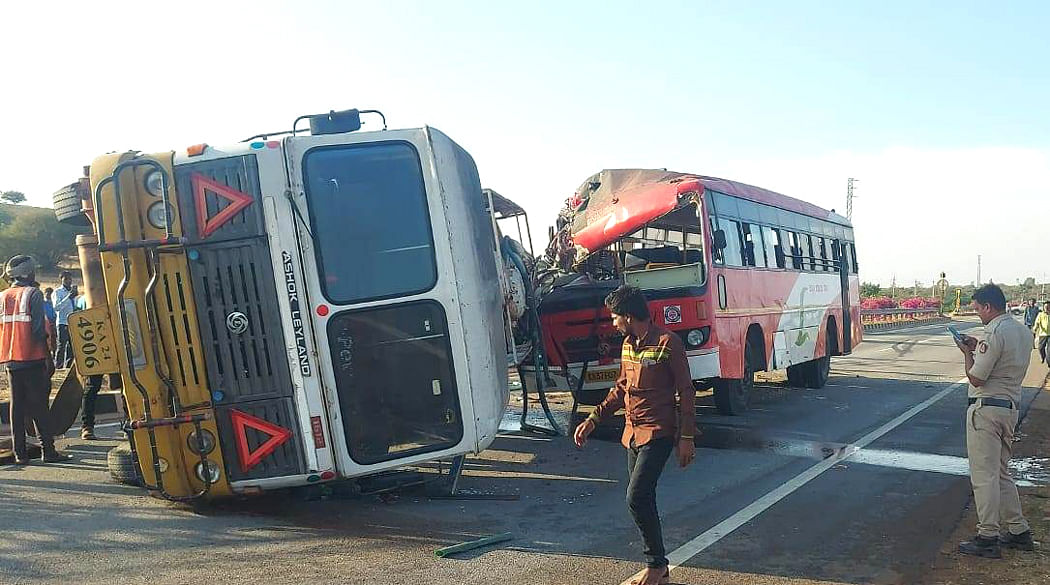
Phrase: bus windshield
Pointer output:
(672, 240)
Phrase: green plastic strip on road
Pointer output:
(473, 544)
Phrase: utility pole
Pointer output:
(849, 197)
(978, 270)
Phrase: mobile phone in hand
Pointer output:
(955, 333)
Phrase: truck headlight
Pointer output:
(159, 215)
(207, 441)
(207, 471)
(155, 183)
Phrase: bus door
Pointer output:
(847, 320)
(379, 274)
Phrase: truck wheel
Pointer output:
(733, 396)
(123, 466)
(817, 372)
(67, 206)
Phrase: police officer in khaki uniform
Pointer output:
(995, 367)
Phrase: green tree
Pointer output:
(14, 197)
(39, 235)
(870, 289)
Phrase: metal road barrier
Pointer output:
(881, 319)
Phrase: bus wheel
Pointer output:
(733, 396)
(122, 465)
(817, 372)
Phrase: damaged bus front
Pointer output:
(750, 279)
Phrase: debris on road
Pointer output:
(473, 544)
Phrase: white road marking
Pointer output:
(923, 342)
(697, 545)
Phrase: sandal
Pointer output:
(636, 579)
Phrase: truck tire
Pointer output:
(66, 202)
(123, 466)
(732, 397)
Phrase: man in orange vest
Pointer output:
(25, 349)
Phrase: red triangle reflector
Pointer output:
(242, 421)
(237, 202)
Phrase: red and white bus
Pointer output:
(751, 280)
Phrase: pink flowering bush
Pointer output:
(872, 303)
(920, 303)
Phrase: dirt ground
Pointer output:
(1016, 567)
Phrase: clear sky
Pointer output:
(939, 108)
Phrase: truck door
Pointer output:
(378, 270)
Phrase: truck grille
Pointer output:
(239, 318)
(235, 287)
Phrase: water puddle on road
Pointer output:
(1031, 471)
(718, 437)
(511, 421)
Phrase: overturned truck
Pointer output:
(295, 308)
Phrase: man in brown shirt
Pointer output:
(657, 392)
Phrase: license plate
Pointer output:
(602, 376)
(93, 344)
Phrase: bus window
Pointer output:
(853, 257)
(807, 252)
(752, 256)
(774, 249)
(822, 248)
(734, 248)
(761, 258)
(796, 251)
(835, 254)
(717, 256)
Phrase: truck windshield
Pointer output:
(368, 208)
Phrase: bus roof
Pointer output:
(617, 202)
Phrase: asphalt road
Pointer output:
(859, 482)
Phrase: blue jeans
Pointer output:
(644, 465)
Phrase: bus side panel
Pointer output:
(791, 308)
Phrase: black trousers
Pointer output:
(644, 465)
(30, 389)
(64, 351)
(1042, 348)
(91, 388)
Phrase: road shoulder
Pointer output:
(1016, 567)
